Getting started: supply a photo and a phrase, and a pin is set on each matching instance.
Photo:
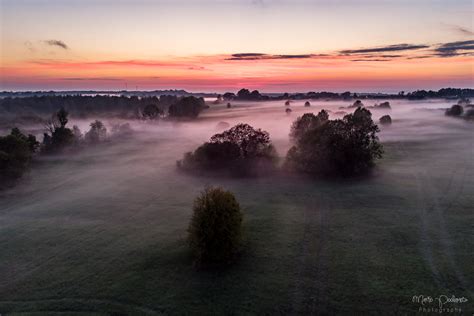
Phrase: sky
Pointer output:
(223, 45)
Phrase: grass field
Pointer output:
(103, 232)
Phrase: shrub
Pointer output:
(383, 105)
(97, 133)
(385, 120)
(356, 104)
(215, 229)
(469, 114)
(346, 147)
(455, 110)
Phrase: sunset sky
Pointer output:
(218, 46)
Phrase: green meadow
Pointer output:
(103, 231)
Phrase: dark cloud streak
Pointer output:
(56, 43)
(259, 56)
(389, 48)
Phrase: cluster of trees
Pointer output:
(341, 148)
(18, 149)
(16, 152)
(188, 107)
(241, 150)
(441, 93)
(60, 137)
(101, 105)
(464, 108)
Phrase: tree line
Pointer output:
(255, 95)
(101, 105)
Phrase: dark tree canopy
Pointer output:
(97, 133)
(228, 96)
(243, 94)
(346, 147)
(62, 116)
(189, 107)
(241, 150)
(246, 95)
(356, 104)
(215, 230)
(253, 143)
(61, 136)
(307, 122)
(152, 112)
(385, 120)
(455, 110)
(16, 150)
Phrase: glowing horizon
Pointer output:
(218, 46)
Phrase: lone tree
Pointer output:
(61, 136)
(241, 150)
(215, 230)
(347, 147)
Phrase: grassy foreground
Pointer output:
(101, 243)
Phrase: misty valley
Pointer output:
(335, 204)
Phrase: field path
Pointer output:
(310, 296)
(434, 235)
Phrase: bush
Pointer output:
(97, 133)
(385, 120)
(215, 229)
(241, 150)
(346, 147)
(455, 110)
(383, 105)
(469, 114)
(356, 104)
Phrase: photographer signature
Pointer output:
(442, 300)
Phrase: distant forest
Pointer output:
(145, 105)
(245, 94)
(99, 105)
